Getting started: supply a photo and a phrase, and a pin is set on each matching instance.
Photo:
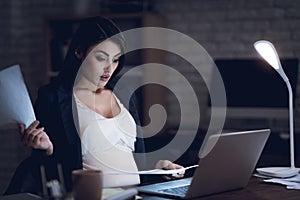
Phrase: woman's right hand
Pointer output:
(36, 138)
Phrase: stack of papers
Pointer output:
(290, 183)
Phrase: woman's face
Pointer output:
(100, 63)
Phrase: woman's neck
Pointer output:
(84, 84)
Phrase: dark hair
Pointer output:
(91, 31)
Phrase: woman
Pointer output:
(85, 138)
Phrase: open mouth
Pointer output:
(104, 77)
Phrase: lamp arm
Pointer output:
(291, 121)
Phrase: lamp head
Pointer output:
(267, 50)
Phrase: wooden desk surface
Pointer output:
(255, 190)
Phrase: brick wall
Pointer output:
(225, 28)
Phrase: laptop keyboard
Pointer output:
(181, 190)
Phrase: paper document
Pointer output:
(154, 171)
(290, 183)
(118, 193)
(15, 104)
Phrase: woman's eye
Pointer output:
(100, 58)
(116, 60)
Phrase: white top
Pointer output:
(108, 144)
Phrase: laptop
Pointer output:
(227, 166)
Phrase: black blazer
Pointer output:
(53, 108)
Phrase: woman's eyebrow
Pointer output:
(118, 54)
(106, 54)
(100, 51)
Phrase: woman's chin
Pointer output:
(101, 85)
(100, 88)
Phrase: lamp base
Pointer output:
(278, 172)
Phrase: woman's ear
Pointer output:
(79, 54)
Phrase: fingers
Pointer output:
(173, 166)
(168, 165)
(24, 132)
(173, 176)
(33, 135)
(179, 175)
(36, 138)
(32, 126)
(163, 164)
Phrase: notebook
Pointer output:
(227, 166)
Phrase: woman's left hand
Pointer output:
(166, 164)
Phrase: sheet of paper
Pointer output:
(106, 192)
(15, 104)
(118, 193)
(290, 183)
(293, 179)
(154, 171)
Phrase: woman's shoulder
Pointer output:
(52, 88)
(50, 92)
(46, 89)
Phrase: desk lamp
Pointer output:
(267, 50)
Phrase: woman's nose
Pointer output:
(108, 67)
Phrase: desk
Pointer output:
(255, 190)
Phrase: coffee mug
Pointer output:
(87, 184)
